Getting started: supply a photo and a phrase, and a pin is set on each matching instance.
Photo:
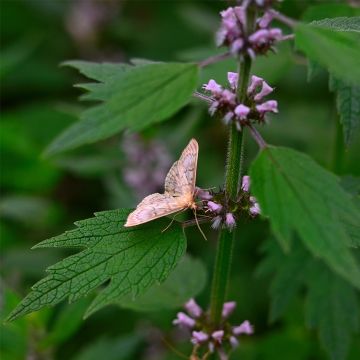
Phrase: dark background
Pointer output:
(42, 197)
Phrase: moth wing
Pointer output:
(181, 178)
(188, 161)
(152, 207)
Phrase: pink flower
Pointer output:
(227, 118)
(203, 194)
(244, 328)
(193, 308)
(268, 106)
(228, 96)
(275, 34)
(236, 46)
(216, 222)
(259, 37)
(218, 335)
(242, 111)
(266, 19)
(251, 53)
(234, 342)
(230, 221)
(245, 184)
(213, 87)
(214, 206)
(228, 309)
(266, 90)
(233, 79)
(255, 208)
(254, 84)
(184, 320)
(199, 337)
(213, 107)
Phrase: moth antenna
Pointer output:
(198, 225)
(173, 349)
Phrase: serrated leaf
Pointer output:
(133, 99)
(101, 72)
(348, 106)
(299, 196)
(332, 307)
(338, 51)
(133, 259)
(340, 23)
(185, 282)
(333, 10)
(288, 280)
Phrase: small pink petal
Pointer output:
(184, 320)
(199, 337)
(233, 78)
(266, 90)
(213, 87)
(228, 309)
(254, 84)
(268, 106)
(218, 335)
(244, 328)
(193, 308)
(242, 111)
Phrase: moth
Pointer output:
(179, 194)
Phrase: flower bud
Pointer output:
(244, 328)
(184, 320)
(193, 308)
(228, 309)
(199, 337)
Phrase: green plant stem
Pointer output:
(232, 178)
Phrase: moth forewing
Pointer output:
(179, 190)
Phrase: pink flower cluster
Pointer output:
(225, 103)
(196, 321)
(232, 33)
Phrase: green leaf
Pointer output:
(322, 11)
(299, 196)
(332, 307)
(185, 282)
(133, 97)
(338, 51)
(101, 72)
(348, 106)
(288, 280)
(66, 324)
(121, 348)
(340, 23)
(133, 259)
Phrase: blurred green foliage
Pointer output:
(42, 197)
